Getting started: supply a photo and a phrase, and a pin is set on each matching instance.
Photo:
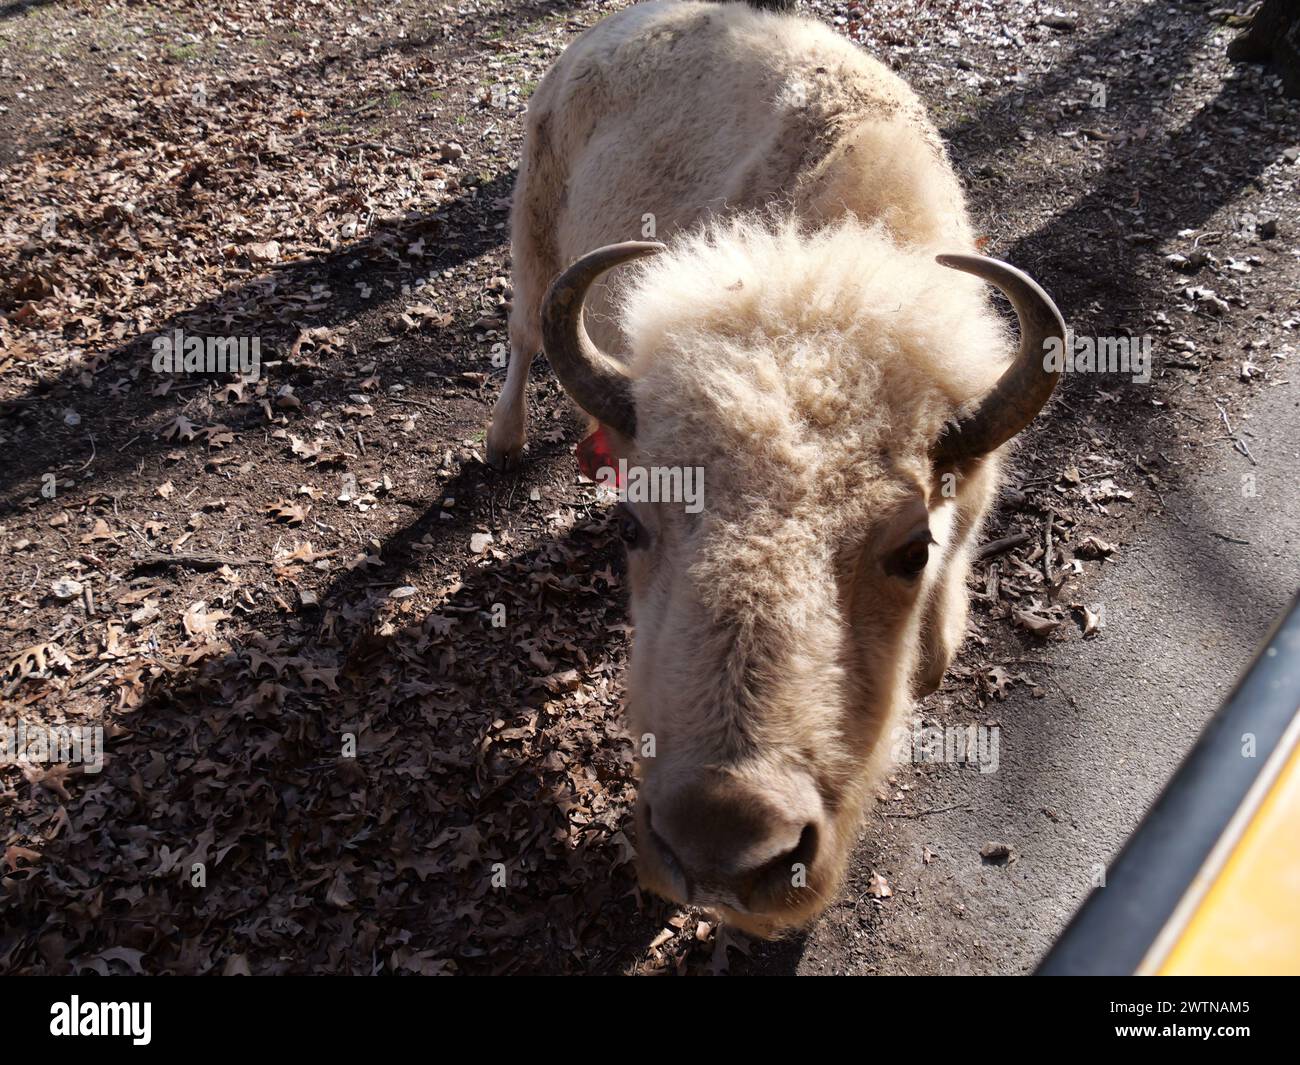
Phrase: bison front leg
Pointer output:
(534, 222)
(509, 429)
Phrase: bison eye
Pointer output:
(631, 531)
(910, 559)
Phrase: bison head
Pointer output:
(843, 400)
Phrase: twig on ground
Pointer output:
(1001, 545)
(1047, 553)
(415, 403)
(927, 813)
(194, 561)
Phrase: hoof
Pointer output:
(507, 433)
(505, 457)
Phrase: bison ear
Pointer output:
(595, 455)
(600, 452)
(946, 473)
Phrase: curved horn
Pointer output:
(1023, 389)
(597, 383)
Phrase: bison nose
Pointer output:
(729, 841)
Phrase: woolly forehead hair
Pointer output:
(808, 373)
(817, 353)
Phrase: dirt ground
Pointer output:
(234, 578)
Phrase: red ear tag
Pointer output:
(595, 454)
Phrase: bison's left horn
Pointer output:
(1023, 389)
(597, 383)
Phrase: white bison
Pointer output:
(815, 337)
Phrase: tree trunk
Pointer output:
(1273, 35)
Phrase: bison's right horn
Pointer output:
(597, 383)
(1023, 389)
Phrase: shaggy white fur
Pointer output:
(819, 319)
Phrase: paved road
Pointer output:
(1184, 611)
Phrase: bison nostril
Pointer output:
(805, 850)
(789, 869)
